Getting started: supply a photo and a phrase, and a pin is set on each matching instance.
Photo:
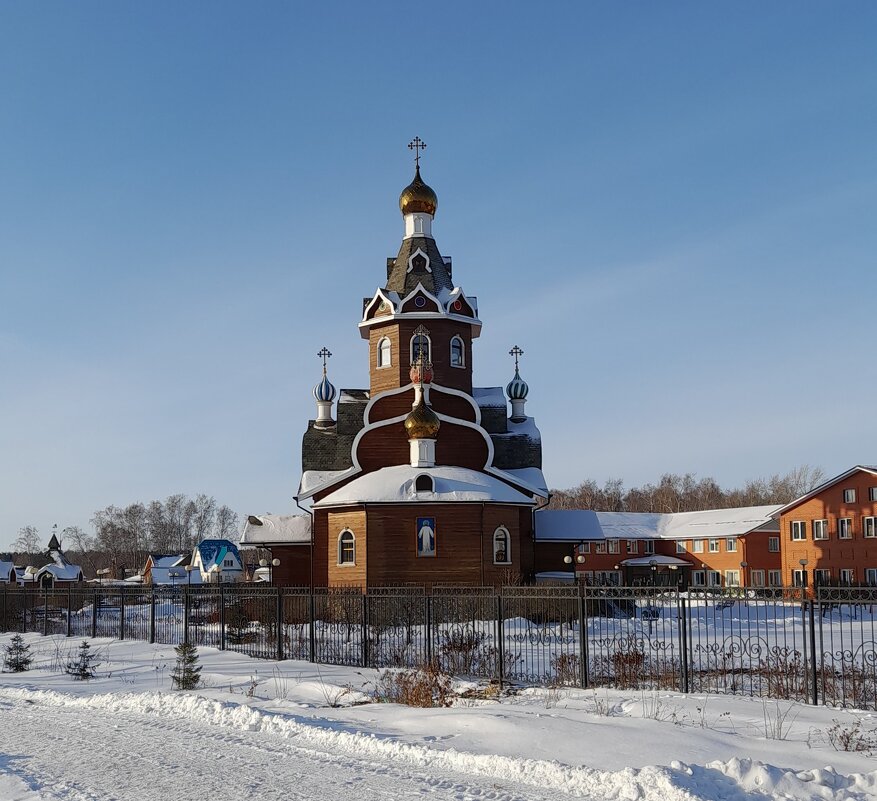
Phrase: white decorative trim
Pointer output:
(389, 363)
(411, 347)
(411, 221)
(508, 545)
(458, 338)
(421, 289)
(378, 294)
(341, 533)
(411, 262)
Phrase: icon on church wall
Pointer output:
(426, 536)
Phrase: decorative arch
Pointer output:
(502, 546)
(458, 351)
(346, 548)
(418, 260)
(384, 355)
(424, 483)
(417, 344)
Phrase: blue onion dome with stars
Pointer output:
(517, 388)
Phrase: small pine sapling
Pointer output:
(186, 672)
(17, 658)
(83, 667)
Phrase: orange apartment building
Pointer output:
(829, 535)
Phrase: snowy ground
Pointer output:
(289, 730)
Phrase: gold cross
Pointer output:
(417, 144)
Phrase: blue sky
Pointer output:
(669, 206)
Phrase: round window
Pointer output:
(420, 302)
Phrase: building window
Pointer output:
(610, 578)
(420, 344)
(697, 546)
(648, 547)
(849, 496)
(585, 547)
(820, 529)
(775, 578)
(845, 528)
(632, 546)
(731, 545)
(384, 357)
(871, 576)
(502, 553)
(697, 578)
(847, 575)
(869, 526)
(822, 576)
(424, 483)
(601, 547)
(714, 546)
(798, 577)
(756, 577)
(713, 578)
(773, 544)
(732, 578)
(872, 493)
(228, 563)
(680, 546)
(458, 352)
(346, 548)
(799, 529)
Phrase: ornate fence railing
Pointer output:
(819, 647)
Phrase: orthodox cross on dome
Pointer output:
(417, 144)
(516, 352)
(324, 353)
(421, 354)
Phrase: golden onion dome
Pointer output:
(417, 197)
(422, 422)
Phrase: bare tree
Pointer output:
(226, 523)
(203, 516)
(28, 541)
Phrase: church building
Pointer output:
(422, 477)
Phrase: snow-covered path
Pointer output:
(135, 755)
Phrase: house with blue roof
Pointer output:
(217, 561)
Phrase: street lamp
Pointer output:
(653, 564)
(270, 565)
(803, 563)
(189, 569)
(743, 566)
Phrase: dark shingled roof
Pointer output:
(401, 281)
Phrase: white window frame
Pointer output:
(633, 546)
(732, 578)
(756, 578)
(869, 527)
(713, 578)
(698, 578)
(428, 348)
(871, 576)
(381, 363)
(850, 495)
(773, 544)
(352, 542)
(731, 544)
(774, 578)
(822, 576)
(610, 577)
(458, 338)
(820, 529)
(601, 547)
(798, 531)
(714, 545)
(648, 547)
(680, 546)
(847, 575)
(697, 546)
(614, 546)
(872, 494)
(502, 532)
(584, 547)
(845, 528)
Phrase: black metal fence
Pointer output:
(773, 643)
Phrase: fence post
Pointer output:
(94, 614)
(45, 610)
(186, 602)
(682, 612)
(814, 677)
(583, 638)
(279, 624)
(152, 614)
(312, 635)
(429, 629)
(5, 626)
(364, 625)
(222, 632)
(121, 613)
(500, 639)
(69, 610)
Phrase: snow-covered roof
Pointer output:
(533, 476)
(213, 552)
(316, 478)
(276, 529)
(7, 569)
(165, 560)
(60, 572)
(527, 427)
(489, 396)
(396, 485)
(585, 524)
(868, 468)
(566, 576)
(658, 559)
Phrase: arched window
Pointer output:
(502, 550)
(420, 344)
(384, 357)
(458, 352)
(424, 483)
(346, 548)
